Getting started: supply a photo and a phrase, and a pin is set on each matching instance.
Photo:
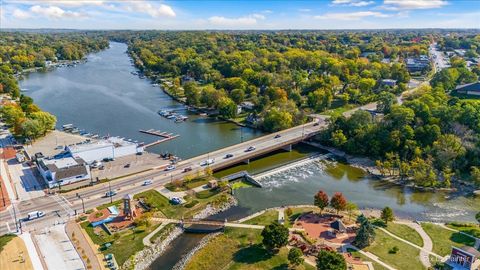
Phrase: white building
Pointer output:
(63, 171)
(112, 147)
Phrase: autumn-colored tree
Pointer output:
(320, 200)
(338, 202)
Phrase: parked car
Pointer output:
(110, 193)
(277, 136)
(187, 169)
(251, 148)
(127, 165)
(228, 156)
(35, 214)
(316, 124)
(175, 200)
(170, 168)
(147, 182)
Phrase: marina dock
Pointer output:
(165, 135)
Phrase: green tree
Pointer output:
(475, 175)
(338, 138)
(275, 236)
(276, 119)
(350, 208)
(320, 200)
(365, 235)
(295, 256)
(387, 215)
(31, 129)
(320, 99)
(237, 95)
(447, 149)
(330, 260)
(338, 202)
(385, 102)
(227, 108)
(47, 121)
(477, 217)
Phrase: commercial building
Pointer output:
(63, 171)
(469, 89)
(112, 147)
(464, 258)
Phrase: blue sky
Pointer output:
(252, 14)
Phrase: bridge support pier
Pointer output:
(247, 161)
(288, 148)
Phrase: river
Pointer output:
(102, 96)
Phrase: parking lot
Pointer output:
(25, 181)
(119, 167)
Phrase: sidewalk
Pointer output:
(427, 242)
(32, 251)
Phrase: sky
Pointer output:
(248, 14)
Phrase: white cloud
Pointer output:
(351, 16)
(55, 12)
(155, 11)
(413, 4)
(232, 22)
(258, 16)
(21, 14)
(304, 10)
(353, 3)
(59, 3)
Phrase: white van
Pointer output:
(35, 214)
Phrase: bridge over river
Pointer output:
(91, 197)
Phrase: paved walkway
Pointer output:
(281, 215)
(146, 239)
(369, 255)
(411, 244)
(57, 250)
(73, 227)
(37, 263)
(427, 242)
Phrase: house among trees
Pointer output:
(464, 258)
(389, 82)
(469, 89)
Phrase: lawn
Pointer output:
(239, 249)
(405, 232)
(264, 219)
(468, 228)
(444, 239)
(364, 258)
(129, 241)
(407, 257)
(4, 239)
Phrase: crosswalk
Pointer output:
(65, 204)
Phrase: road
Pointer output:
(438, 58)
(61, 207)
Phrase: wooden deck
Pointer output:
(165, 135)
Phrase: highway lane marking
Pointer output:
(65, 206)
(8, 227)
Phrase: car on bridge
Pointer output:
(250, 149)
(228, 156)
(207, 162)
(277, 136)
(187, 169)
(170, 168)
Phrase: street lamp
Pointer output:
(83, 204)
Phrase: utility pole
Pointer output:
(15, 216)
(83, 204)
(110, 191)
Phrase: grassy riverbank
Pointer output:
(444, 239)
(239, 249)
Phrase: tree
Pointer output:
(385, 102)
(274, 236)
(237, 95)
(447, 149)
(31, 129)
(338, 202)
(320, 200)
(361, 218)
(47, 121)
(477, 217)
(387, 215)
(350, 208)
(475, 175)
(338, 138)
(276, 119)
(330, 260)
(365, 234)
(320, 99)
(227, 108)
(295, 256)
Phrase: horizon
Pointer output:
(107, 15)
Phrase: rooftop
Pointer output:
(108, 142)
(53, 143)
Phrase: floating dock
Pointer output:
(165, 135)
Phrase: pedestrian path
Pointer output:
(367, 254)
(146, 239)
(32, 251)
(427, 242)
(281, 215)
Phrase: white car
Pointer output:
(207, 162)
(147, 182)
(35, 214)
(170, 168)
